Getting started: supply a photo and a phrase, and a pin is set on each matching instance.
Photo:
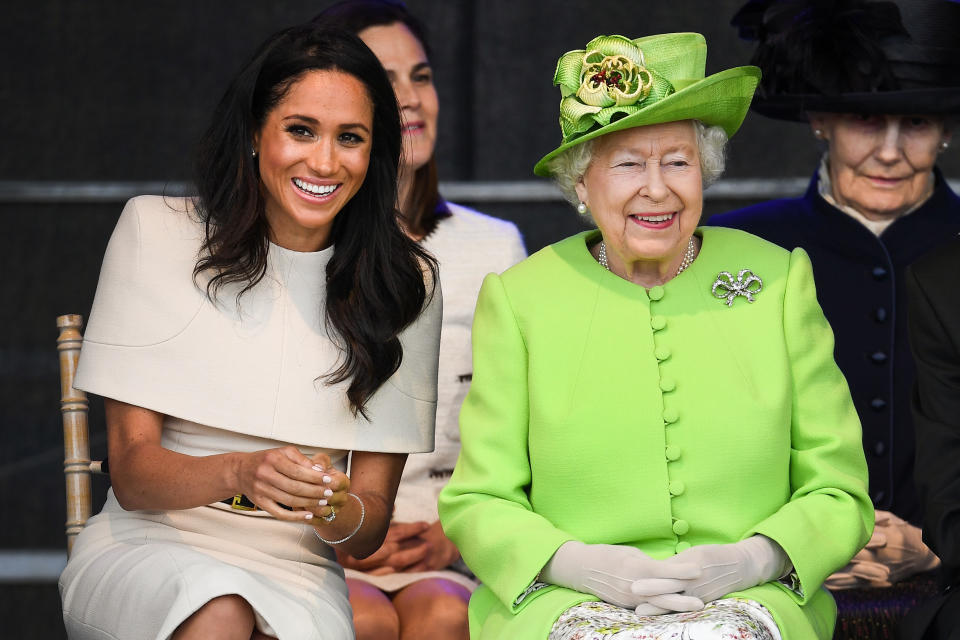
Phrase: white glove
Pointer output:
(725, 568)
(895, 551)
(622, 575)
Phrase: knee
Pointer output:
(448, 616)
(374, 618)
(227, 610)
(434, 612)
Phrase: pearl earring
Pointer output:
(582, 208)
(818, 134)
(253, 154)
(944, 145)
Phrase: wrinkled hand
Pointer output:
(895, 551)
(402, 549)
(623, 576)
(273, 477)
(726, 568)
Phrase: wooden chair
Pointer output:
(77, 466)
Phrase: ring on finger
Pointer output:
(331, 516)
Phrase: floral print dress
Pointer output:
(728, 619)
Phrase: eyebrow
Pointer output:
(314, 121)
(391, 74)
(671, 148)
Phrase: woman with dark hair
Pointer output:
(246, 341)
(416, 586)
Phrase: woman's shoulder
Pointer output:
(158, 218)
(468, 219)
(468, 239)
(726, 243)
(555, 265)
(146, 284)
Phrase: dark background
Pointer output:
(120, 90)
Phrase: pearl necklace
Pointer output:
(688, 256)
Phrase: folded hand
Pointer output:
(895, 551)
(624, 576)
(402, 549)
(725, 568)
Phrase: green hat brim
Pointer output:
(721, 99)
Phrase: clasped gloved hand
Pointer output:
(896, 551)
(623, 576)
(725, 568)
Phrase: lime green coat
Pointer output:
(603, 413)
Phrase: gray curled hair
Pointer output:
(568, 167)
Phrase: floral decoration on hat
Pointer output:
(604, 82)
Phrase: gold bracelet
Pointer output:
(363, 513)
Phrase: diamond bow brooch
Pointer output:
(726, 287)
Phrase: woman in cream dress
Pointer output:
(416, 586)
(245, 342)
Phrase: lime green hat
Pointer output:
(617, 83)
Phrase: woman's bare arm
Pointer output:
(374, 478)
(145, 475)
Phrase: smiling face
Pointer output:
(405, 61)
(880, 164)
(644, 190)
(314, 150)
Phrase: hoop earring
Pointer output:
(582, 209)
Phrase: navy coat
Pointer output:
(933, 287)
(860, 285)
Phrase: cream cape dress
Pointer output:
(229, 377)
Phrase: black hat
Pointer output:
(854, 56)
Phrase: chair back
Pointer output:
(76, 434)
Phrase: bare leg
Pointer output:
(224, 618)
(374, 617)
(433, 608)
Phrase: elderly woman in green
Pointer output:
(657, 441)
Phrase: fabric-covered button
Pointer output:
(681, 527)
(682, 546)
(878, 404)
(662, 353)
(670, 415)
(879, 357)
(672, 452)
(667, 383)
(880, 315)
(677, 488)
(656, 292)
(880, 448)
(658, 322)
(879, 273)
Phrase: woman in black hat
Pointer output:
(878, 84)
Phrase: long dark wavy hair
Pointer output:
(378, 280)
(427, 206)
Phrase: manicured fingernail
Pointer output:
(309, 516)
(327, 492)
(322, 503)
(317, 467)
(326, 479)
